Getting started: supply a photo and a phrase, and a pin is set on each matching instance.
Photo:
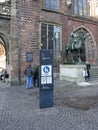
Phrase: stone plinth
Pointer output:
(73, 73)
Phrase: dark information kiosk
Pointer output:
(46, 78)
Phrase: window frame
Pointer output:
(57, 3)
(81, 8)
(54, 42)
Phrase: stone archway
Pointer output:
(90, 45)
(2, 56)
(4, 49)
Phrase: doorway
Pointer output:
(2, 57)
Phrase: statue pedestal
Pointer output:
(73, 73)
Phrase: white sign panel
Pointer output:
(43, 80)
(46, 80)
(46, 70)
(49, 80)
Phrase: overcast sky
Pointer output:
(3, 0)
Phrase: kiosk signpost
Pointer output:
(46, 78)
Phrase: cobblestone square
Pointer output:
(75, 108)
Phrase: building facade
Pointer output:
(48, 24)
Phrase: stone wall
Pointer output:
(73, 73)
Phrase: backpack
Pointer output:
(29, 72)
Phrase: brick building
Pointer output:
(48, 24)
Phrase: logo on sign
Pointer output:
(46, 70)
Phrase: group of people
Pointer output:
(32, 75)
(32, 78)
(86, 73)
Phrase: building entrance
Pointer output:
(2, 56)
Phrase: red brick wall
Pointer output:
(31, 14)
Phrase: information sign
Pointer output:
(46, 78)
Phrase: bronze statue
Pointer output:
(75, 46)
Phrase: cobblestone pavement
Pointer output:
(75, 108)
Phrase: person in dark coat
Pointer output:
(88, 66)
(36, 76)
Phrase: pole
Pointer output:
(19, 49)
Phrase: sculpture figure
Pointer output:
(74, 46)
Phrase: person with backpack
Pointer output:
(29, 77)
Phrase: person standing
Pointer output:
(88, 69)
(85, 74)
(29, 77)
(3, 73)
(36, 76)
